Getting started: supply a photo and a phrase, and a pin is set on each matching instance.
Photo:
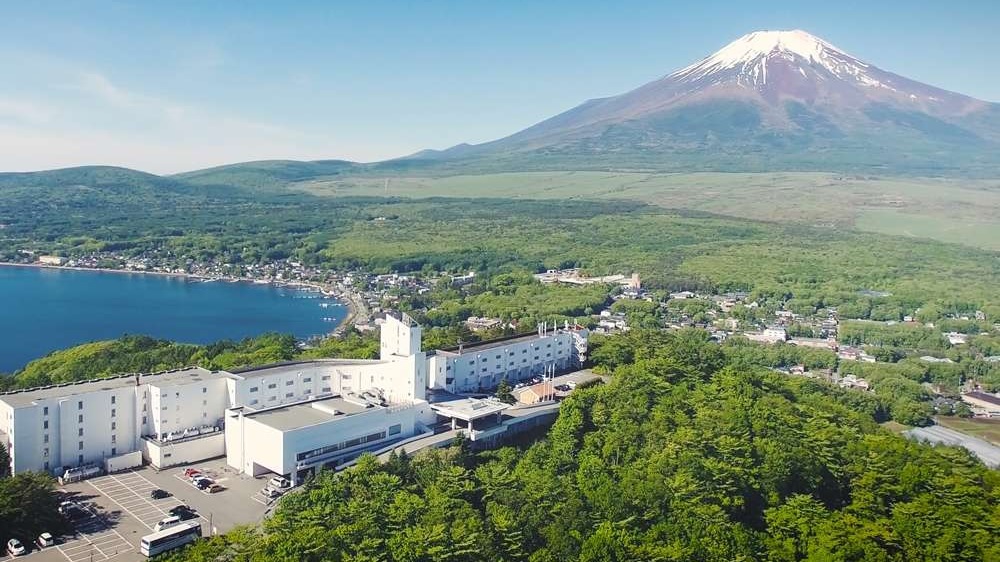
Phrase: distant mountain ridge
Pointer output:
(771, 100)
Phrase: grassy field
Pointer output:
(979, 232)
(988, 430)
(961, 211)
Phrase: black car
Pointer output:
(159, 494)
(183, 512)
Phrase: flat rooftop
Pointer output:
(296, 366)
(305, 414)
(469, 408)
(27, 397)
(984, 397)
(492, 344)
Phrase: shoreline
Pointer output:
(346, 298)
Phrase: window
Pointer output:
(395, 429)
(289, 394)
(79, 419)
(272, 385)
(114, 426)
(45, 410)
(204, 402)
(80, 458)
(308, 391)
(46, 465)
(484, 369)
(307, 379)
(204, 414)
(484, 360)
(114, 451)
(113, 398)
(114, 438)
(79, 432)
(327, 377)
(325, 389)
(45, 438)
(45, 452)
(143, 420)
(473, 362)
(253, 389)
(346, 377)
(79, 405)
(45, 424)
(80, 446)
(271, 399)
(254, 401)
(204, 389)
(113, 412)
(167, 455)
(498, 357)
(289, 382)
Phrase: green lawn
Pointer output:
(959, 211)
(976, 427)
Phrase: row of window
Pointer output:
(347, 444)
(274, 385)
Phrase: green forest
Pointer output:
(116, 216)
(686, 454)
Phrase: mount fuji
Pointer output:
(770, 100)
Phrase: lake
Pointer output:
(42, 310)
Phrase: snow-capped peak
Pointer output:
(749, 55)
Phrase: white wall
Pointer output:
(277, 451)
(162, 455)
(182, 406)
(479, 370)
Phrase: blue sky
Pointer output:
(173, 86)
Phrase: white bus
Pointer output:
(168, 539)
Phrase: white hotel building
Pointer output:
(286, 418)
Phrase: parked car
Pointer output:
(45, 539)
(202, 482)
(191, 472)
(15, 548)
(563, 388)
(159, 494)
(269, 492)
(571, 384)
(214, 488)
(183, 512)
(72, 510)
(279, 482)
(167, 523)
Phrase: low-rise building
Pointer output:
(989, 403)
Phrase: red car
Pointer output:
(190, 472)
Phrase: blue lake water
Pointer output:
(42, 310)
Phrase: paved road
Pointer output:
(987, 452)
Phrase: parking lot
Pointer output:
(120, 510)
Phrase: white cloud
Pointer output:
(24, 111)
(107, 123)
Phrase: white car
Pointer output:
(15, 548)
(279, 482)
(44, 540)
